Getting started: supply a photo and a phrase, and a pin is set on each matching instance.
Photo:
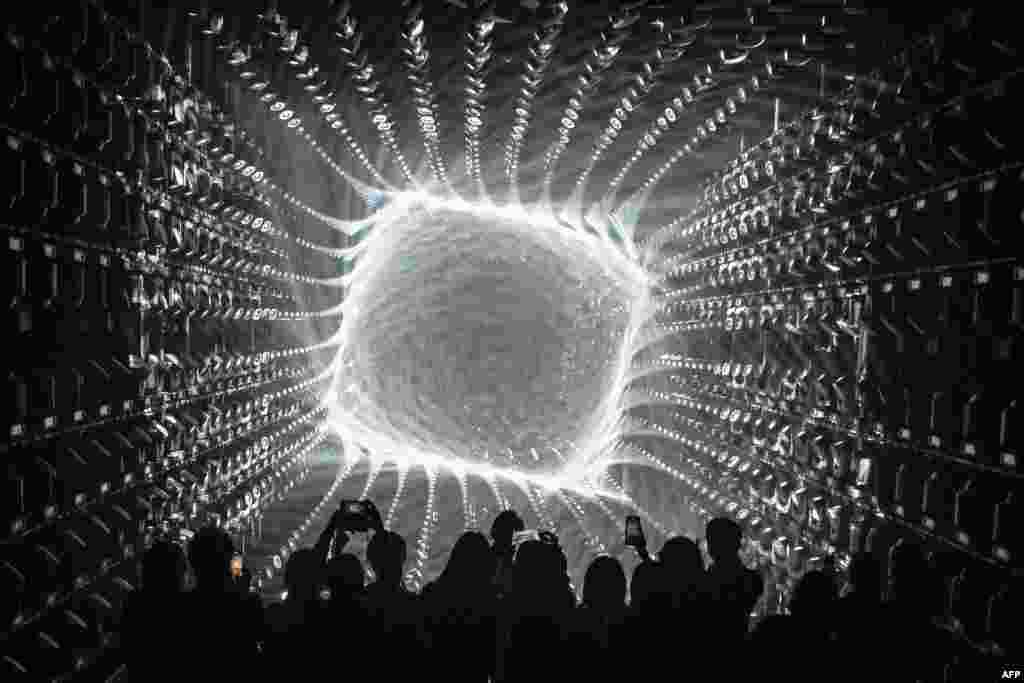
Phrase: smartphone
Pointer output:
(634, 532)
(236, 567)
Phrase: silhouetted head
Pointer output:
(866, 576)
(682, 561)
(539, 578)
(345, 575)
(814, 597)
(538, 560)
(604, 585)
(303, 574)
(471, 563)
(647, 587)
(210, 554)
(724, 538)
(164, 568)
(506, 525)
(386, 553)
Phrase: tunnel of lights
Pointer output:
(592, 174)
(585, 260)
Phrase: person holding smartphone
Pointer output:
(155, 614)
(299, 627)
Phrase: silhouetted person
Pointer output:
(859, 618)
(225, 626)
(684, 572)
(536, 615)
(349, 628)
(599, 630)
(296, 625)
(650, 610)
(344, 574)
(461, 612)
(155, 615)
(683, 566)
(504, 528)
(470, 566)
(346, 580)
(732, 589)
(913, 606)
(647, 589)
(603, 608)
(392, 608)
(387, 555)
(539, 582)
(604, 587)
(813, 611)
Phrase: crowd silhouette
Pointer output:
(504, 610)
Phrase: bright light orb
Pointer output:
(485, 340)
